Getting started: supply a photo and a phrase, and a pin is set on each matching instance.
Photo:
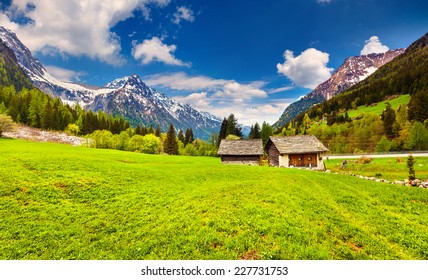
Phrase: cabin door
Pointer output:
(296, 160)
(310, 160)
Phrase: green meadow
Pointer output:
(63, 202)
(391, 169)
(379, 107)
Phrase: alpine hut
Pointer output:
(296, 151)
(241, 151)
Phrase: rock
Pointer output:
(399, 183)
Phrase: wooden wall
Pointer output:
(273, 154)
(251, 159)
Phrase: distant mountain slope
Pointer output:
(352, 71)
(10, 71)
(406, 74)
(128, 97)
(137, 102)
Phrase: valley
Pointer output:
(106, 204)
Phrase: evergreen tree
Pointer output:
(171, 143)
(388, 118)
(47, 117)
(410, 162)
(266, 132)
(151, 130)
(257, 131)
(158, 131)
(231, 125)
(138, 129)
(180, 136)
(222, 133)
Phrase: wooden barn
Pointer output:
(241, 151)
(296, 151)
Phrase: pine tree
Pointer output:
(410, 162)
(151, 130)
(138, 129)
(388, 118)
(231, 126)
(180, 136)
(158, 131)
(257, 131)
(267, 131)
(222, 134)
(47, 117)
(171, 143)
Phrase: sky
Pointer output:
(251, 58)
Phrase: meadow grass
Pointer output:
(379, 107)
(63, 202)
(391, 169)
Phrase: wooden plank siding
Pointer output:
(250, 159)
(273, 154)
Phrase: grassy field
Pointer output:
(63, 202)
(379, 107)
(388, 168)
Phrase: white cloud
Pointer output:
(155, 50)
(74, 27)
(323, 1)
(373, 45)
(183, 13)
(222, 97)
(308, 70)
(181, 81)
(63, 74)
(281, 89)
(199, 101)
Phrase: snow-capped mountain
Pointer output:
(129, 97)
(69, 92)
(136, 101)
(352, 71)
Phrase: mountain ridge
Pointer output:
(353, 70)
(128, 96)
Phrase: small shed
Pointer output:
(296, 151)
(241, 151)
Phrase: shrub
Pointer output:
(6, 124)
(364, 160)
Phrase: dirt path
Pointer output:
(34, 134)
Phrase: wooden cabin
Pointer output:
(304, 151)
(241, 151)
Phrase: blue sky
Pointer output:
(250, 58)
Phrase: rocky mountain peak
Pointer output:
(353, 70)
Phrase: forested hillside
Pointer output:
(401, 129)
(10, 72)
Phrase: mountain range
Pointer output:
(129, 96)
(351, 72)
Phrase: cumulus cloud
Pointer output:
(222, 97)
(181, 81)
(323, 1)
(199, 101)
(183, 13)
(229, 90)
(308, 70)
(73, 27)
(65, 75)
(373, 45)
(155, 50)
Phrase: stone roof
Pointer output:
(297, 144)
(241, 147)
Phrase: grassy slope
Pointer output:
(389, 168)
(62, 202)
(379, 107)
